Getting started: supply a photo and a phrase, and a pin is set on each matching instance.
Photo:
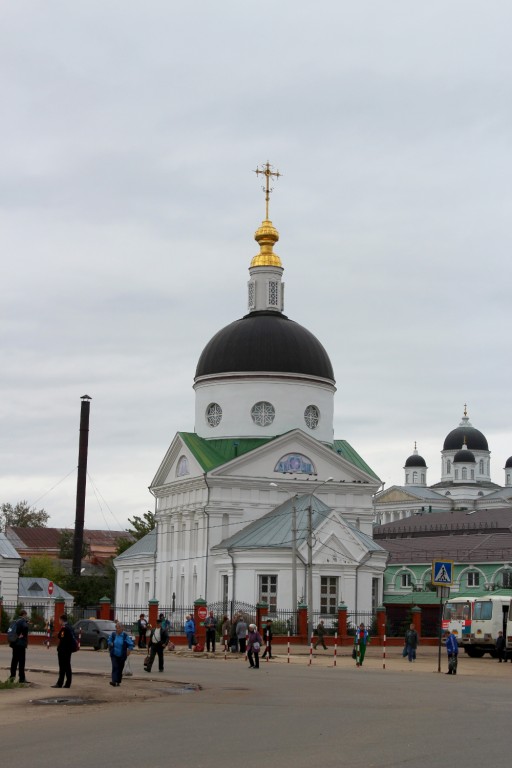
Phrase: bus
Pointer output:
(457, 615)
(490, 616)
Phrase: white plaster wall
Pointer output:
(289, 398)
(9, 573)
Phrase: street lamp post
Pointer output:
(310, 562)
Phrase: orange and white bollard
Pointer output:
(288, 660)
(79, 638)
(384, 647)
(311, 651)
(225, 645)
(335, 647)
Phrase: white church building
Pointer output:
(238, 500)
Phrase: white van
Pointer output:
(490, 615)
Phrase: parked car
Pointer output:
(95, 632)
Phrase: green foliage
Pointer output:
(45, 567)
(141, 526)
(88, 590)
(67, 544)
(22, 516)
(8, 684)
(37, 621)
(123, 545)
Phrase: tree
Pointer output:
(22, 516)
(141, 526)
(45, 567)
(123, 545)
(67, 543)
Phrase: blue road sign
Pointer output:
(442, 573)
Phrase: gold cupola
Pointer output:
(266, 236)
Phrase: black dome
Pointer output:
(508, 463)
(265, 341)
(415, 461)
(464, 457)
(475, 440)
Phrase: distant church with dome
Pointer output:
(465, 480)
(238, 500)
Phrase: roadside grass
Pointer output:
(9, 684)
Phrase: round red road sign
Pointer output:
(50, 587)
(202, 612)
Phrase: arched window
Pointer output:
(182, 468)
(472, 474)
(407, 478)
(464, 473)
(415, 477)
(448, 467)
(481, 466)
(422, 477)
(456, 474)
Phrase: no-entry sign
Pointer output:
(50, 587)
(202, 612)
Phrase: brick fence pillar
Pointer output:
(105, 608)
(152, 612)
(261, 614)
(58, 610)
(200, 614)
(302, 623)
(342, 623)
(416, 619)
(381, 622)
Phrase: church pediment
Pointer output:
(179, 464)
(331, 549)
(295, 455)
(396, 495)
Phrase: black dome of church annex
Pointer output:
(474, 439)
(415, 461)
(265, 341)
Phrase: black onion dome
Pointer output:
(415, 461)
(508, 463)
(265, 341)
(472, 437)
(464, 457)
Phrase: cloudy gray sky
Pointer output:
(128, 135)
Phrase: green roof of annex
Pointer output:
(214, 453)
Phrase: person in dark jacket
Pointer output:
(500, 647)
(157, 642)
(19, 648)
(66, 646)
(267, 639)
(120, 645)
(411, 643)
(320, 633)
(452, 650)
(142, 626)
(254, 643)
(211, 631)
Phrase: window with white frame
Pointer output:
(375, 594)
(506, 579)
(328, 594)
(448, 467)
(481, 466)
(268, 591)
(473, 578)
(415, 477)
(406, 580)
(464, 473)
(456, 474)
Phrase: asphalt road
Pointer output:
(286, 715)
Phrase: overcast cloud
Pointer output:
(128, 135)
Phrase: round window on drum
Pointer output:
(214, 414)
(263, 413)
(312, 416)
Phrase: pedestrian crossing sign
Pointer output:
(442, 573)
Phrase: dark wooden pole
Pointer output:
(81, 484)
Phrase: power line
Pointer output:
(53, 487)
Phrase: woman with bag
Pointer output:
(254, 643)
(121, 645)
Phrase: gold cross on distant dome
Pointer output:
(269, 173)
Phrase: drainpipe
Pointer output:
(234, 576)
(207, 539)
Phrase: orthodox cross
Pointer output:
(269, 173)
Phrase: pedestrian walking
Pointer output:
(501, 647)
(120, 645)
(267, 639)
(254, 642)
(142, 626)
(18, 640)
(157, 643)
(190, 630)
(241, 634)
(411, 643)
(452, 650)
(211, 631)
(67, 645)
(361, 640)
(320, 633)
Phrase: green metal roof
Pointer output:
(430, 598)
(345, 449)
(214, 453)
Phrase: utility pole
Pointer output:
(310, 561)
(81, 483)
(294, 564)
